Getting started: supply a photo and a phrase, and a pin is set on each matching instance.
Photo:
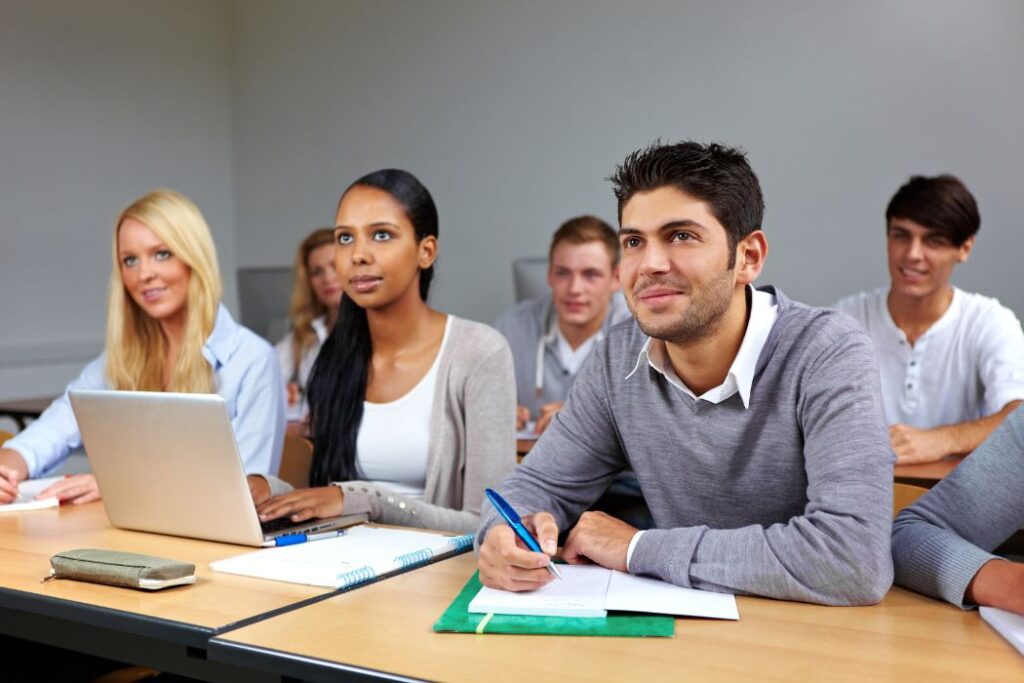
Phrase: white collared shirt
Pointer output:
(740, 378)
(245, 373)
(764, 311)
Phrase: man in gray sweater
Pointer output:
(942, 544)
(754, 424)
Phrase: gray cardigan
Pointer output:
(940, 542)
(789, 498)
(472, 438)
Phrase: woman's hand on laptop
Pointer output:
(78, 489)
(303, 504)
(259, 488)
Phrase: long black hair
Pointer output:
(337, 386)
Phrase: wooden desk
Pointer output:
(384, 630)
(24, 409)
(928, 474)
(166, 629)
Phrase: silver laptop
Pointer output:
(168, 463)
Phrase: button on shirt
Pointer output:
(246, 375)
(968, 365)
(763, 312)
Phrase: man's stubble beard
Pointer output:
(700, 320)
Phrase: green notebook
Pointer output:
(457, 619)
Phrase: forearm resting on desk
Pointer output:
(914, 446)
(999, 583)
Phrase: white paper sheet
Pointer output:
(1008, 624)
(27, 491)
(591, 591)
(642, 594)
(527, 433)
(579, 593)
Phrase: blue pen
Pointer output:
(293, 539)
(512, 517)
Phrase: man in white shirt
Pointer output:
(952, 362)
(551, 336)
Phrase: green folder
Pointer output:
(458, 619)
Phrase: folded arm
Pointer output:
(941, 543)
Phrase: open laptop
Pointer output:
(168, 463)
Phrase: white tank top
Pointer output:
(394, 438)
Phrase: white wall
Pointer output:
(513, 113)
(100, 101)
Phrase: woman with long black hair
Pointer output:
(411, 410)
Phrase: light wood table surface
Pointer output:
(29, 539)
(178, 621)
(385, 629)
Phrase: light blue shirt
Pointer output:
(246, 374)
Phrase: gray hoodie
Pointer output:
(530, 325)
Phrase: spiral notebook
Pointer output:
(361, 554)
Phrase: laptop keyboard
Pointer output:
(279, 524)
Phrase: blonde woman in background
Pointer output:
(316, 296)
(166, 331)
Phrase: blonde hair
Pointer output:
(136, 347)
(305, 306)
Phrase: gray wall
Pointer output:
(511, 113)
(100, 101)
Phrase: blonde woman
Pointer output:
(166, 331)
(316, 296)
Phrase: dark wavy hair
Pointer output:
(716, 174)
(337, 386)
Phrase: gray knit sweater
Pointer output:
(790, 498)
(940, 542)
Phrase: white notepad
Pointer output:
(1008, 624)
(27, 492)
(361, 554)
(527, 433)
(590, 591)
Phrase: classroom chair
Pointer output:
(904, 495)
(295, 461)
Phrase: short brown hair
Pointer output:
(943, 204)
(583, 229)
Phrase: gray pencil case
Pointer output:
(129, 570)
